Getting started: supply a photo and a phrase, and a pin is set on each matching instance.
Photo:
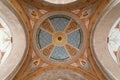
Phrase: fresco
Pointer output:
(5, 41)
(114, 41)
(59, 38)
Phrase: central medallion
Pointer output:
(59, 39)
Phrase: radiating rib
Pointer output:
(71, 50)
(72, 26)
(48, 50)
(47, 26)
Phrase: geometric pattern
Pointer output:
(59, 54)
(44, 39)
(59, 22)
(59, 38)
(74, 38)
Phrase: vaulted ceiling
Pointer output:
(59, 39)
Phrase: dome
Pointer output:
(59, 38)
(60, 1)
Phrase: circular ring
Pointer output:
(42, 19)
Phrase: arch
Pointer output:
(20, 41)
(99, 39)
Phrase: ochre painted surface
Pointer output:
(87, 12)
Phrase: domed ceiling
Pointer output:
(59, 38)
(55, 35)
